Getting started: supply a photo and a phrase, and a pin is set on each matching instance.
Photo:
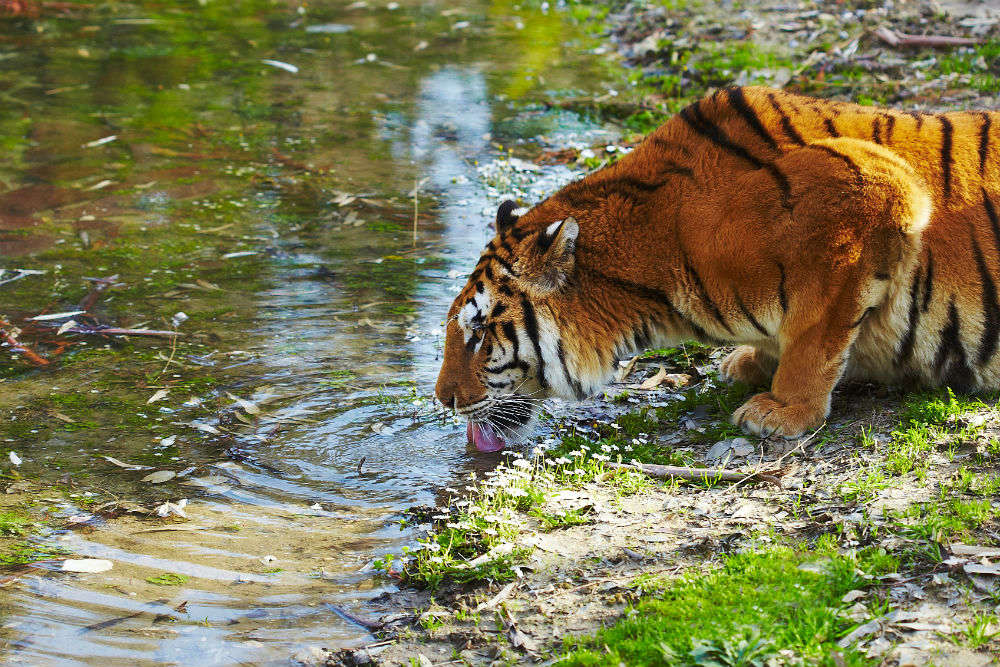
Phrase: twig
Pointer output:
(100, 285)
(416, 188)
(370, 626)
(19, 347)
(698, 474)
(895, 38)
(173, 350)
(498, 598)
(116, 331)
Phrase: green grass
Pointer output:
(168, 579)
(744, 613)
(945, 520)
(13, 523)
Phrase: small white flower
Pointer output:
(601, 457)
(522, 463)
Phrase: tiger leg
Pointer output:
(749, 365)
(811, 363)
(852, 234)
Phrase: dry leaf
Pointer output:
(127, 466)
(159, 395)
(159, 476)
(654, 381)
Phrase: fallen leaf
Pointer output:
(992, 569)
(89, 565)
(159, 476)
(14, 458)
(975, 551)
(158, 396)
(56, 316)
(65, 327)
(127, 466)
(851, 596)
(280, 65)
(654, 381)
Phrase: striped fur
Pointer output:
(825, 239)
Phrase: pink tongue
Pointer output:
(484, 438)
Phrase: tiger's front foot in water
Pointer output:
(765, 415)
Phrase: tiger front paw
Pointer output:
(765, 415)
(746, 364)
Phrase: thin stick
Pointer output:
(18, 347)
(416, 187)
(698, 474)
(896, 38)
(173, 350)
(370, 626)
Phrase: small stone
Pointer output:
(741, 447)
(719, 451)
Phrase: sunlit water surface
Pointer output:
(340, 347)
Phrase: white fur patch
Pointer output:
(480, 305)
(553, 228)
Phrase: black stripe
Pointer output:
(747, 314)
(984, 141)
(991, 308)
(991, 213)
(573, 382)
(882, 275)
(506, 265)
(876, 133)
(739, 102)
(497, 310)
(510, 332)
(499, 385)
(928, 281)
(658, 297)
(696, 121)
(946, 159)
(917, 116)
(910, 337)
(786, 122)
(513, 363)
(865, 314)
(518, 233)
(831, 128)
(470, 345)
(782, 297)
(951, 363)
(851, 164)
(706, 299)
(890, 124)
(531, 328)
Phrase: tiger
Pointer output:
(825, 240)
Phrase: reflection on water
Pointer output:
(333, 331)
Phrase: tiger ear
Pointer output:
(505, 216)
(547, 265)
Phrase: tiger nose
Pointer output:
(451, 394)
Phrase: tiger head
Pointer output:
(504, 347)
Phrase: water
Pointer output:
(328, 323)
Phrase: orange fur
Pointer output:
(826, 238)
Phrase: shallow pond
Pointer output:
(308, 185)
